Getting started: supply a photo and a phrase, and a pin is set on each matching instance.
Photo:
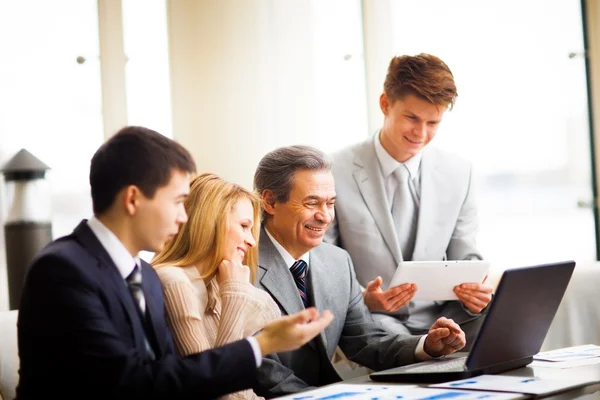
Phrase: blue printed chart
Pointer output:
(516, 384)
(404, 392)
(570, 353)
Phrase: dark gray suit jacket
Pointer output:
(332, 285)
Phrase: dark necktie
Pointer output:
(134, 282)
(298, 270)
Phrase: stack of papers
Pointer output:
(568, 357)
(570, 353)
(404, 392)
(517, 384)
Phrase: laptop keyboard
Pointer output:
(455, 364)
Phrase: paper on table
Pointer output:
(380, 392)
(570, 353)
(565, 364)
(343, 390)
(440, 394)
(516, 384)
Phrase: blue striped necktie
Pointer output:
(298, 270)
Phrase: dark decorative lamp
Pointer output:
(28, 225)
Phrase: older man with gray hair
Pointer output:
(299, 271)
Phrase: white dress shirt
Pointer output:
(388, 165)
(287, 257)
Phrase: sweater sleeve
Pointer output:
(185, 318)
(244, 311)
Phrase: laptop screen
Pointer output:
(520, 314)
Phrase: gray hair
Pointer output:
(276, 169)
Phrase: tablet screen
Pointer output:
(436, 279)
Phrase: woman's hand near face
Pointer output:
(233, 271)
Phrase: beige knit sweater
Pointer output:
(205, 316)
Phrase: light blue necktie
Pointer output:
(404, 213)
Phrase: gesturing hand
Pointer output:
(444, 337)
(291, 332)
(390, 300)
(232, 271)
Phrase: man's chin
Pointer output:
(314, 242)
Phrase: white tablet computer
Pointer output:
(436, 279)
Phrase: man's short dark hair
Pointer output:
(135, 156)
(277, 168)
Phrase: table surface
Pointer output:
(591, 372)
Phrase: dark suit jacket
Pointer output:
(331, 285)
(81, 337)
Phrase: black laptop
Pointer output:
(513, 331)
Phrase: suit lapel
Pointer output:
(277, 278)
(88, 239)
(372, 188)
(317, 276)
(430, 203)
(155, 326)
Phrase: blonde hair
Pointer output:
(202, 238)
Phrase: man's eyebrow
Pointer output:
(319, 198)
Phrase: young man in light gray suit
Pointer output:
(298, 270)
(399, 200)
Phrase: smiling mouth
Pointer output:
(314, 229)
(412, 141)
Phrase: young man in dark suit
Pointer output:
(91, 320)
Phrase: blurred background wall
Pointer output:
(233, 79)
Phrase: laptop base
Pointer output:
(404, 375)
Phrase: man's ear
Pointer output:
(268, 200)
(131, 198)
(384, 103)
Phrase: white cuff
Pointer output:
(420, 353)
(256, 349)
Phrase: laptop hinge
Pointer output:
(506, 366)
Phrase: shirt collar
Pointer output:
(114, 247)
(287, 257)
(389, 164)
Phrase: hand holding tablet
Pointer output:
(436, 279)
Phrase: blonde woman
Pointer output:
(208, 268)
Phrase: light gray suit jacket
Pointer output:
(331, 285)
(364, 227)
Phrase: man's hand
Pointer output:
(232, 271)
(444, 337)
(291, 332)
(475, 296)
(390, 300)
